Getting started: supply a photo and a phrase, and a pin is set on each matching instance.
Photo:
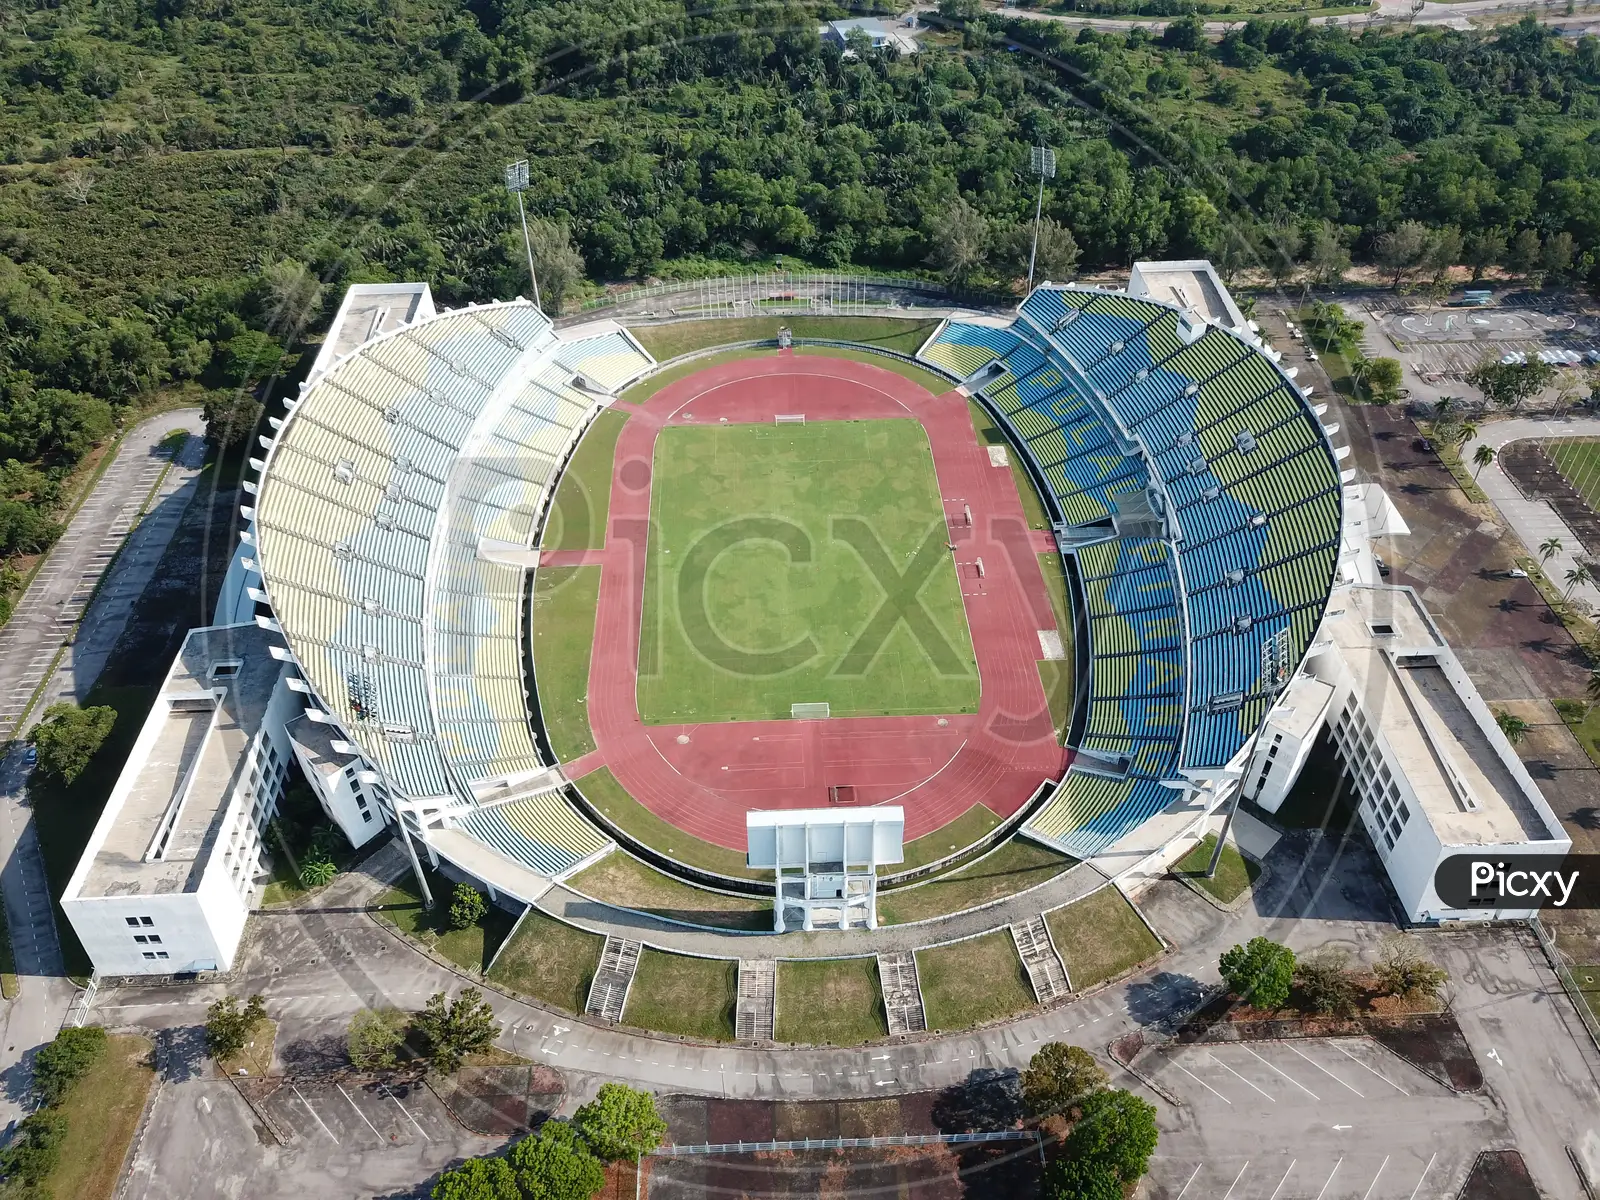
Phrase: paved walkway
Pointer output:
(580, 910)
(136, 483)
(1533, 521)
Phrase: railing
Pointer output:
(82, 1002)
(1570, 985)
(868, 1143)
(788, 293)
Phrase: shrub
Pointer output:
(1403, 971)
(228, 1026)
(375, 1036)
(35, 1148)
(467, 906)
(1325, 984)
(1058, 1077)
(1259, 973)
(557, 1165)
(66, 1060)
(69, 737)
(1117, 1131)
(620, 1122)
(456, 1027)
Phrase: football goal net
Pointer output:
(789, 419)
(808, 712)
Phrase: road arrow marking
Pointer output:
(1343, 1127)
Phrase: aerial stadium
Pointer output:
(1035, 587)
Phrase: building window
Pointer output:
(148, 955)
(366, 816)
(138, 921)
(140, 938)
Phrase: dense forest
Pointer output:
(186, 184)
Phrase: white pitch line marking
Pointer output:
(313, 1112)
(1425, 1171)
(1331, 1174)
(359, 1113)
(1203, 1083)
(1368, 1193)
(1236, 1074)
(1325, 1071)
(1236, 1179)
(1374, 1070)
(1283, 1181)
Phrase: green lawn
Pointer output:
(102, 1111)
(1583, 719)
(469, 948)
(1579, 460)
(673, 993)
(65, 814)
(974, 981)
(1235, 872)
(578, 516)
(766, 583)
(990, 434)
(1100, 937)
(1015, 867)
(601, 789)
(832, 1001)
(550, 961)
(565, 600)
(1057, 674)
(619, 878)
(666, 342)
(946, 840)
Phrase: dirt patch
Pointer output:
(1499, 1175)
(1431, 1042)
(501, 1101)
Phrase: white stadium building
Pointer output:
(374, 627)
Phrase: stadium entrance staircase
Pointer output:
(902, 993)
(1046, 972)
(756, 1014)
(608, 993)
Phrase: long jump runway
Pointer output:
(703, 778)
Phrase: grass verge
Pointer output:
(583, 501)
(970, 982)
(891, 333)
(102, 1111)
(1581, 628)
(9, 984)
(1057, 674)
(467, 948)
(990, 434)
(619, 878)
(947, 839)
(1015, 867)
(1235, 872)
(604, 792)
(550, 961)
(1584, 721)
(1450, 455)
(565, 601)
(830, 1001)
(1100, 937)
(256, 1057)
(694, 997)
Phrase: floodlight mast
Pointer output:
(1043, 164)
(516, 184)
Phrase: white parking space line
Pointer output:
(1368, 1193)
(313, 1112)
(1203, 1083)
(405, 1110)
(1286, 1075)
(1331, 1174)
(1236, 1178)
(1283, 1181)
(1374, 1070)
(1190, 1180)
(359, 1113)
(1325, 1070)
(1424, 1175)
(1236, 1075)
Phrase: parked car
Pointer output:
(32, 756)
(1516, 573)
(1425, 445)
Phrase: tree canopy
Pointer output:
(1259, 972)
(67, 737)
(620, 1122)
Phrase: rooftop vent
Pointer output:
(1243, 624)
(1234, 577)
(1066, 318)
(1244, 441)
(371, 607)
(392, 414)
(1192, 390)
(1258, 521)
(1186, 439)
(345, 470)
(343, 551)
(1141, 374)
(384, 520)
(1116, 347)
(1211, 493)
(1197, 466)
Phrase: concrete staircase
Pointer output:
(608, 992)
(756, 1014)
(1046, 972)
(902, 993)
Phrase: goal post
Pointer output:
(809, 712)
(789, 419)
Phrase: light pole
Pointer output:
(516, 184)
(1043, 165)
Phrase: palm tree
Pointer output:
(1592, 688)
(1549, 548)
(1482, 457)
(1442, 407)
(1578, 574)
(1466, 432)
(1513, 726)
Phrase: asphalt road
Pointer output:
(138, 492)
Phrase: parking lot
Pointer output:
(361, 1115)
(1450, 342)
(1313, 1119)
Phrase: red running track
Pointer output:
(704, 778)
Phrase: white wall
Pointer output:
(191, 926)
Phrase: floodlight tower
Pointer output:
(1043, 164)
(516, 184)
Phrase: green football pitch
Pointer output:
(1579, 460)
(800, 564)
